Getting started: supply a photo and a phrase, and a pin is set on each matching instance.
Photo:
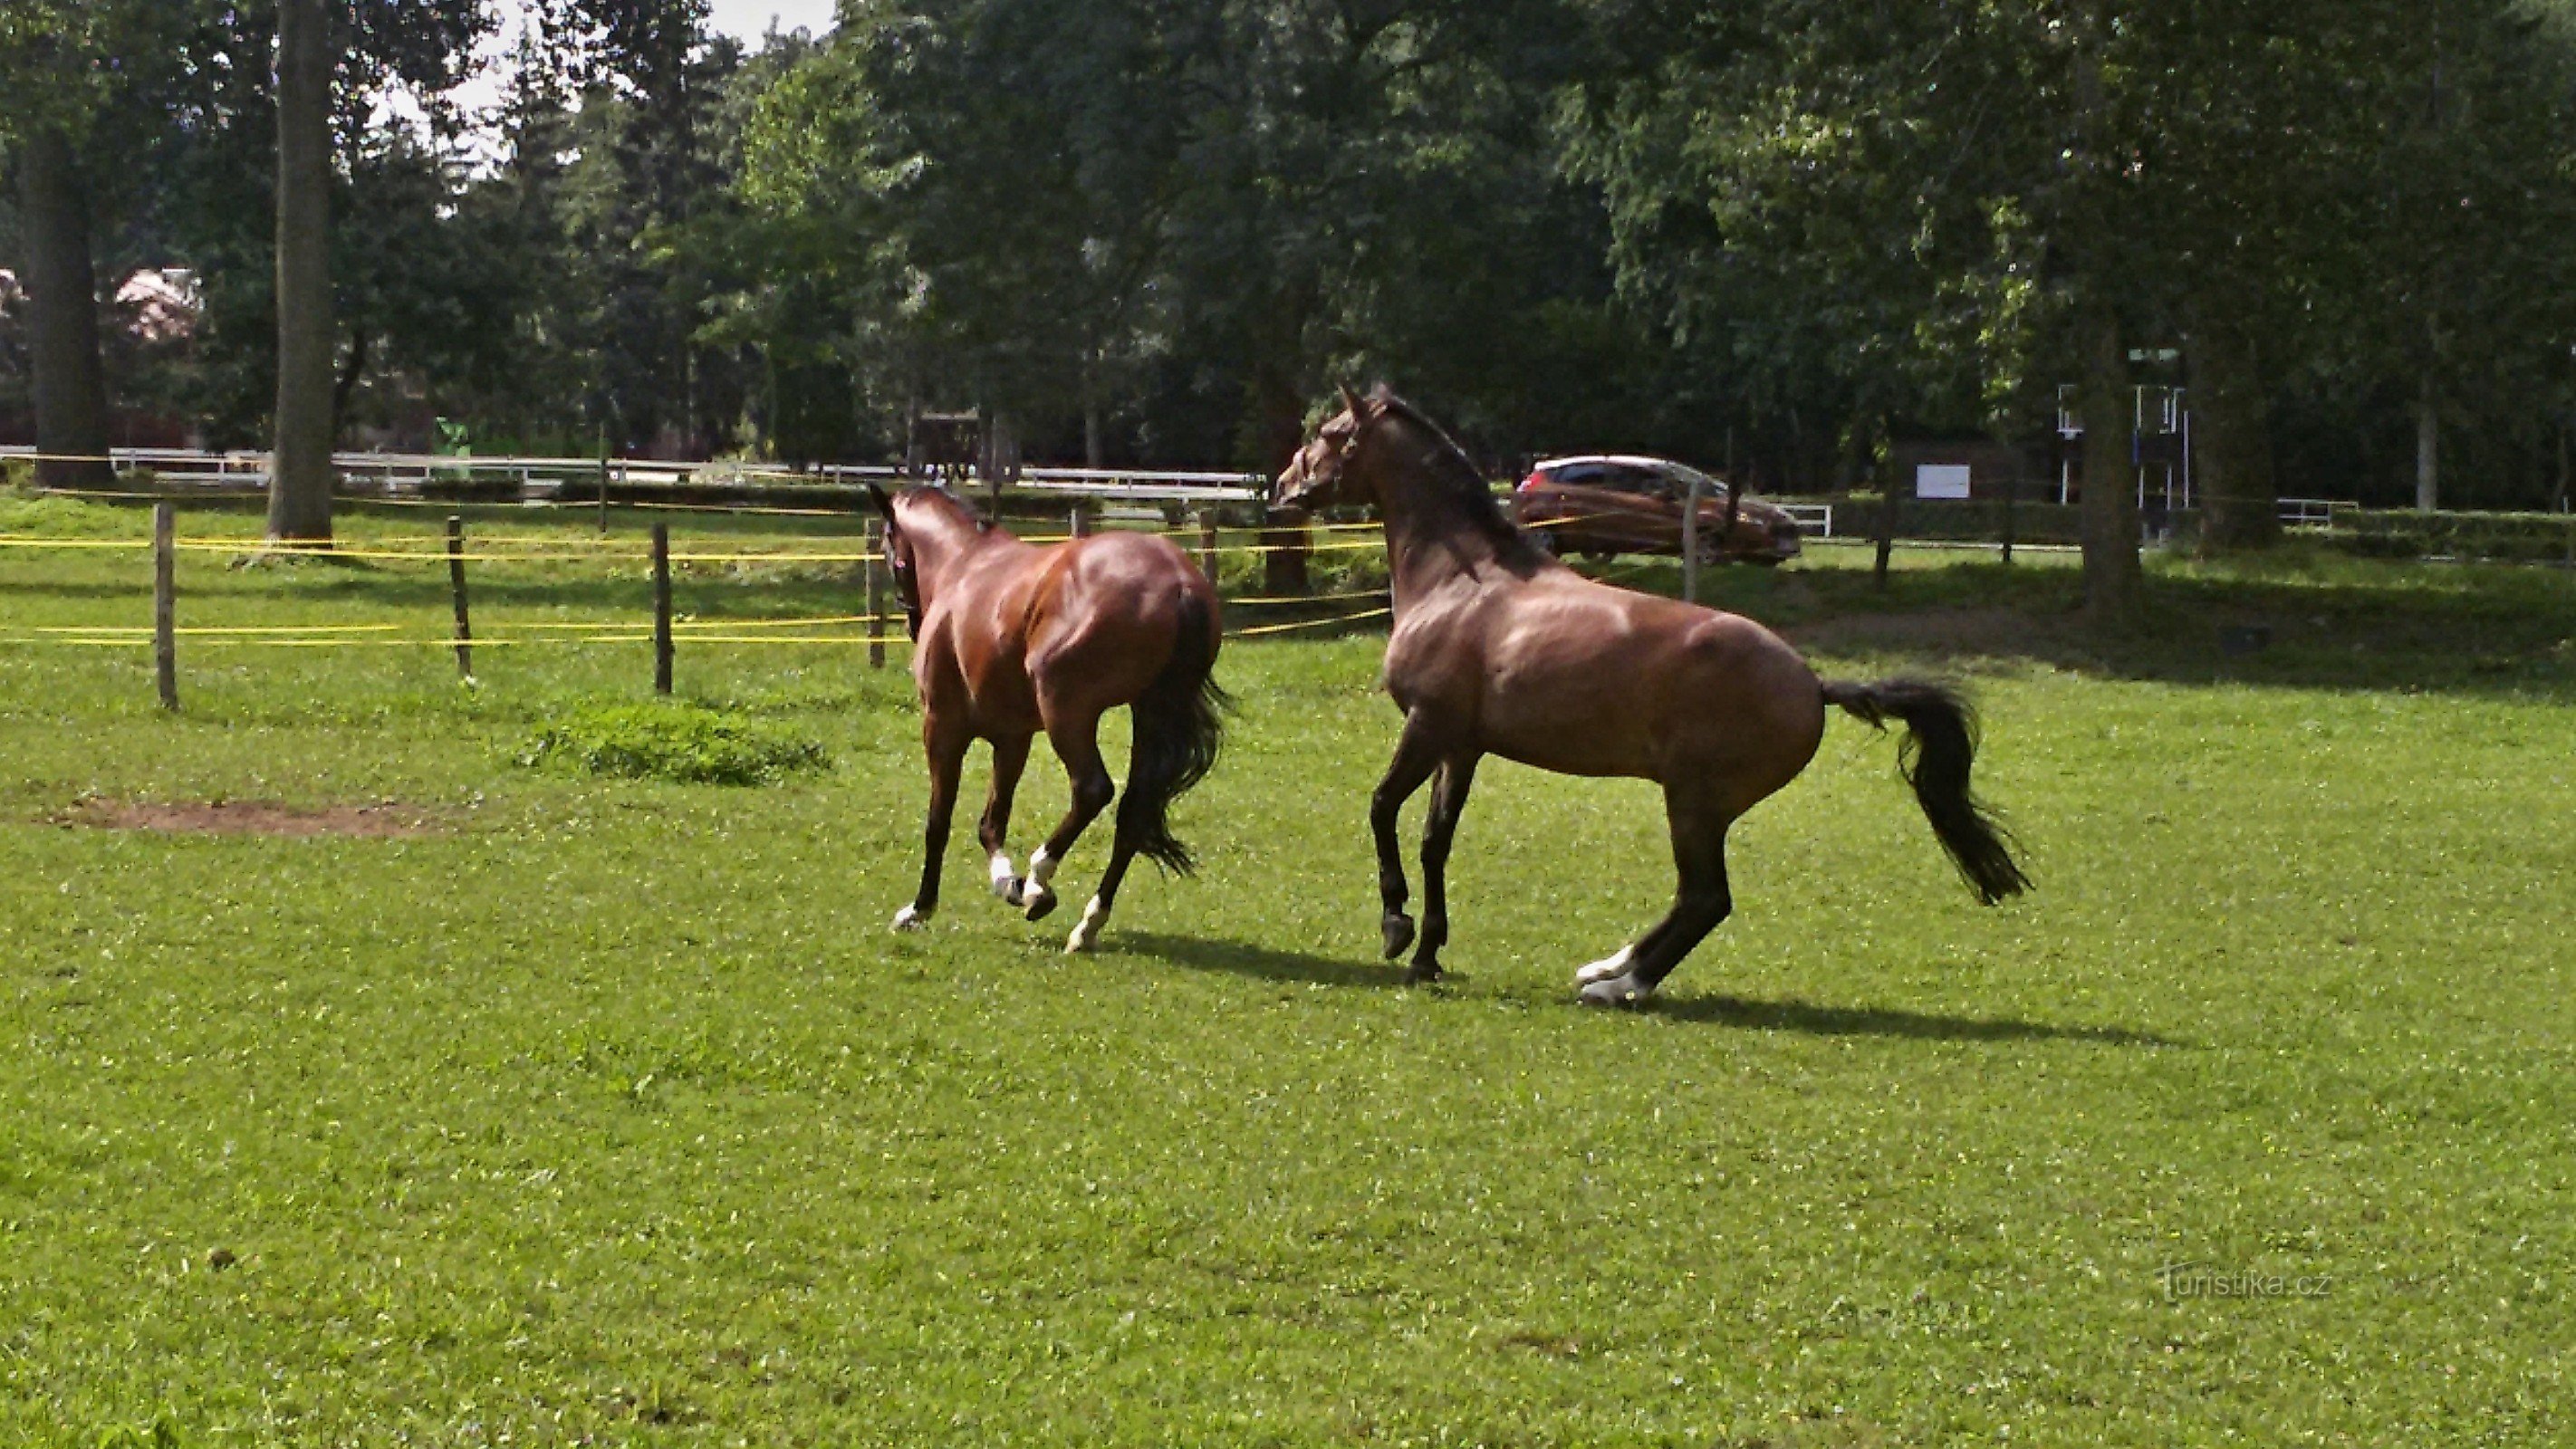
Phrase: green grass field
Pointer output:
(610, 1111)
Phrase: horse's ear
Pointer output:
(1351, 402)
(885, 505)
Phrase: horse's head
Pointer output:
(1314, 478)
(899, 559)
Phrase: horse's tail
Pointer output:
(1940, 744)
(1179, 726)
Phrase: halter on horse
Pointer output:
(1499, 649)
(1012, 639)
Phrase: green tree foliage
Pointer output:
(1149, 230)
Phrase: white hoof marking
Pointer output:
(1617, 991)
(1002, 875)
(911, 919)
(1087, 931)
(1041, 869)
(1607, 967)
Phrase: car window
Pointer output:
(1576, 474)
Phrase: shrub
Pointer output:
(2507, 537)
(681, 742)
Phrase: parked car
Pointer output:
(1605, 505)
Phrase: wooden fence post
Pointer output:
(456, 586)
(165, 603)
(1207, 543)
(2012, 490)
(1080, 521)
(1690, 542)
(1886, 532)
(876, 573)
(603, 482)
(661, 608)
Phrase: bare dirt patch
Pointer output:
(384, 820)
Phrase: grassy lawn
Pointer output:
(610, 1111)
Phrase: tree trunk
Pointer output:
(1094, 450)
(2563, 467)
(2240, 501)
(1278, 424)
(300, 477)
(2428, 449)
(2114, 582)
(62, 300)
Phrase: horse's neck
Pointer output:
(941, 540)
(1434, 532)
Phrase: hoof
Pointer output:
(1625, 991)
(1010, 890)
(1086, 932)
(1397, 928)
(1037, 902)
(1423, 973)
(911, 918)
(1606, 968)
(1006, 881)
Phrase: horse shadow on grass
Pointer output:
(1267, 964)
(1262, 963)
(1814, 1020)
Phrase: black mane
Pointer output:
(1450, 467)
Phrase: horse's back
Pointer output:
(1110, 613)
(1582, 678)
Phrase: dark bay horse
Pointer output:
(1499, 649)
(1011, 639)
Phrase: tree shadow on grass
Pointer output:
(1815, 1020)
(1260, 962)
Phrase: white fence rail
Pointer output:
(543, 478)
(1815, 520)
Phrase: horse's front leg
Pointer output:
(1417, 754)
(945, 745)
(1448, 801)
(1010, 757)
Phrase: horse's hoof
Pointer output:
(1037, 901)
(1086, 932)
(1006, 882)
(1010, 890)
(1397, 928)
(1625, 991)
(1423, 973)
(1607, 967)
(911, 918)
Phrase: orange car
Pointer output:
(1605, 505)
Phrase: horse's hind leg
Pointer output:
(1010, 756)
(1699, 903)
(1448, 801)
(1077, 742)
(1122, 853)
(1416, 756)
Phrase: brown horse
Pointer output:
(1011, 639)
(1499, 649)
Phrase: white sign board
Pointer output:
(1941, 480)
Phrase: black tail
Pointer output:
(1940, 744)
(1179, 726)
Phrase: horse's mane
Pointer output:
(1461, 482)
